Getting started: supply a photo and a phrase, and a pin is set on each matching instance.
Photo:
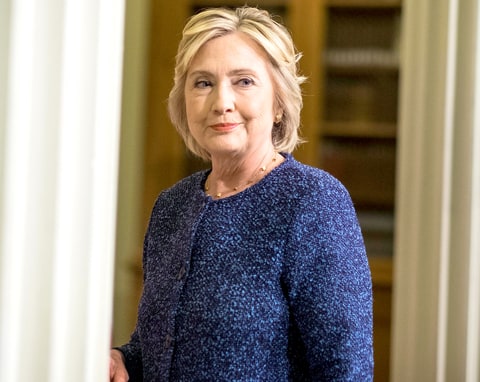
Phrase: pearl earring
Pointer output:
(278, 118)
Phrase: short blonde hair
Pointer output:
(275, 41)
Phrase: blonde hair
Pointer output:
(275, 41)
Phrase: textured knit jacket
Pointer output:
(271, 284)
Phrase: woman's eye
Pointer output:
(245, 81)
(202, 84)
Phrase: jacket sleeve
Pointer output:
(132, 351)
(133, 358)
(329, 286)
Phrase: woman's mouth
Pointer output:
(224, 126)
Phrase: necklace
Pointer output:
(256, 176)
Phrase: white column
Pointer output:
(60, 124)
(437, 253)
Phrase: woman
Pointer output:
(256, 269)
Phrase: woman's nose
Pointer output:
(224, 100)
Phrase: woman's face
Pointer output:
(229, 97)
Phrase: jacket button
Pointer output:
(181, 273)
(168, 341)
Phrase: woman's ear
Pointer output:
(278, 116)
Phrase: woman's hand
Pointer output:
(118, 371)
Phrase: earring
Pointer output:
(278, 118)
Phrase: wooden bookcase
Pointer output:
(350, 56)
(358, 127)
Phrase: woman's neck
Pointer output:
(231, 176)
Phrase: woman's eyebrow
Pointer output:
(233, 72)
(199, 73)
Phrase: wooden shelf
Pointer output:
(363, 60)
(365, 3)
(354, 129)
(382, 271)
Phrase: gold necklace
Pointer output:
(254, 178)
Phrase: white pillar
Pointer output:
(436, 320)
(60, 92)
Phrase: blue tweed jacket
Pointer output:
(271, 284)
